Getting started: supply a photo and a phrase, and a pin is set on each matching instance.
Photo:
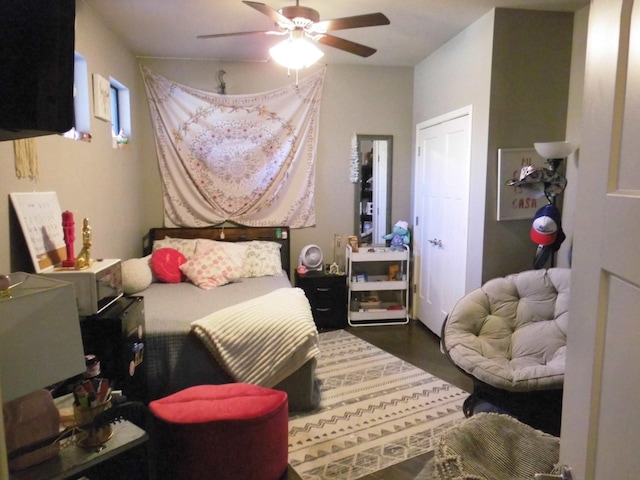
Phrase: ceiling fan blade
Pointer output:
(274, 15)
(235, 34)
(346, 45)
(368, 20)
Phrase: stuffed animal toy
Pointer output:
(399, 236)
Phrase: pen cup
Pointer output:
(93, 437)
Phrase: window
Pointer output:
(115, 111)
(120, 113)
(81, 122)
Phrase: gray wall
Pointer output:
(457, 75)
(120, 190)
(356, 99)
(574, 122)
(529, 98)
(91, 179)
(513, 67)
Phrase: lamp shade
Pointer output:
(553, 150)
(295, 53)
(40, 339)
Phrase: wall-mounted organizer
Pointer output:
(378, 279)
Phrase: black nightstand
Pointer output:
(327, 295)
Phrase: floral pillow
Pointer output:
(211, 267)
(165, 265)
(186, 246)
(237, 251)
(263, 259)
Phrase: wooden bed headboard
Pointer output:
(231, 234)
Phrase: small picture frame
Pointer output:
(101, 97)
(353, 242)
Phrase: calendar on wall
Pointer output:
(40, 218)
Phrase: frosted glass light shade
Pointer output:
(553, 150)
(296, 53)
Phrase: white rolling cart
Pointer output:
(378, 279)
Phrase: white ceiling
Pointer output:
(168, 28)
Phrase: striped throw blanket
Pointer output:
(262, 340)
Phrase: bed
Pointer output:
(176, 355)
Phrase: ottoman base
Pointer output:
(224, 432)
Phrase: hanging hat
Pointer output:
(554, 182)
(546, 225)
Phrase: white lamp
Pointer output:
(554, 152)
(296, 52)
(40, 345)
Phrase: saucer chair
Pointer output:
(509, 336)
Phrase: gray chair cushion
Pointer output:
(511, 332)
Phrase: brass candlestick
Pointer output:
(84, 257)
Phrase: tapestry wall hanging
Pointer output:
(249, 159)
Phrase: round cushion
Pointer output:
(136, 275)
(511, 333)
(165, 264)
(231, 431)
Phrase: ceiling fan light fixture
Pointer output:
(296, 52)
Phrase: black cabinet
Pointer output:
(116, 337)
(327, 295)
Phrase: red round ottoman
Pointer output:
(234, 431)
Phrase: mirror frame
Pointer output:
(360, 138)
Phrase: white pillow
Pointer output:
(136, 275)
(211, 268)
(263, 259)
(186, 246)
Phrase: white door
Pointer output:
(601, 418)
(380, 184)
(441, 207)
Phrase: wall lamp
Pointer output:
(555, 152)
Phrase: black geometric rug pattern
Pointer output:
(376, 410)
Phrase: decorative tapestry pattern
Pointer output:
(249, 159)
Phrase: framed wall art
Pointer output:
(518, 202)
(101, 97)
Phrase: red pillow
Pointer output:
(165, 265)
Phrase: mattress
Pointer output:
(176, 358)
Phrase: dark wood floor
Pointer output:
(415, 344)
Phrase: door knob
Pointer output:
(565, 474)
(435, 242)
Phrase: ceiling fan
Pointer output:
(304, 22)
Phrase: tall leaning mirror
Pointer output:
(373, 189)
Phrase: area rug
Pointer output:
(376, 410)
